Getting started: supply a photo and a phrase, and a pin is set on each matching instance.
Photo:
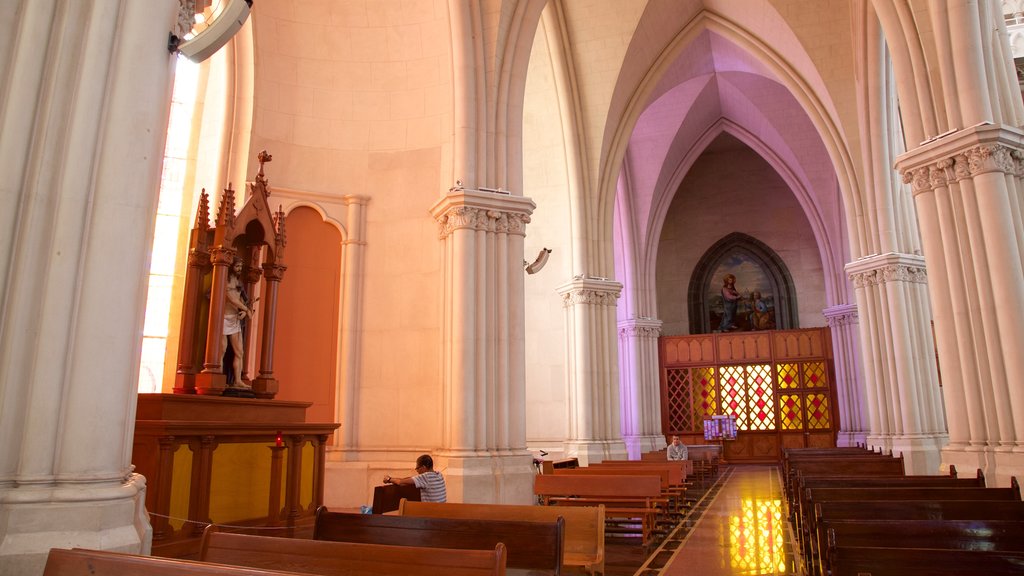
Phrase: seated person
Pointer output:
(676, 450)
(431, 483)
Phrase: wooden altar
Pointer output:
(235, 462)
(256, 236)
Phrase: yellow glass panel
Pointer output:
(708, 401)
(791, 411)
(240, 483)
(789, 377)
(757, 538)
(815, 375)
(818, 413)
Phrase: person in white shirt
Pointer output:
(431, 483)
(676, 450)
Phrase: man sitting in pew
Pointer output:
(676, 450)
(430, 482)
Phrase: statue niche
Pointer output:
(228, 265)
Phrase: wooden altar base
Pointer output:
(244, 464)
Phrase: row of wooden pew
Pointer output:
(855, 512)
(642, 498)
(430, 538)
(423, 538)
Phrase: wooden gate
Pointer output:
(778, 384)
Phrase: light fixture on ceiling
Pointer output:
(218, 27)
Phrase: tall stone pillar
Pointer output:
(595, 431)
(484, 434)
(903, 398)
(640, 395)
(353, 259)
(967, 188)
(83, 116)
(853, 425)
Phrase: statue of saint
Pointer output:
(236, 310)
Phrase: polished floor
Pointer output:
(737, 527)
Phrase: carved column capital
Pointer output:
(880, 269)
(482, 211)
(591, 291)
(640, 328)
(963, 154)
(841, 315)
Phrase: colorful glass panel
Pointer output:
(791, 412)
(815, 375)
(788, 376)
(734, 395)
(818, 413)
(761, 395)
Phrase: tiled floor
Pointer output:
(738, 528)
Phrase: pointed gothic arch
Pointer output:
(706, 277)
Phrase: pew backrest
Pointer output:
(869, 561)
(584, 525)
(347, 558)
(82, 562)
(529, 545)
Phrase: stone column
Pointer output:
(83, 119)
(967, 186)
(904, 400)
(853, 426)
(353, 259)
(484, 434)
(595, 431)
(641, 390)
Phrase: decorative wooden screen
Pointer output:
(776, 383)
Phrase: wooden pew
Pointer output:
(815, 537)
(624, 497)
(829, 510)
(803, 510)
(840, 466)
(864, 561)
(81, 562)
(660, 456)
(535, 546)
(346, 558)
(673, 485)
(584, 525)
(672, 494)
(995, 535)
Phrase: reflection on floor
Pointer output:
(737, 527)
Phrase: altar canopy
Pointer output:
(256, 236)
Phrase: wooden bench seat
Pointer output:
(672, 487)
(866, 561)
(829, 510)
(81, 562)
(802, 510)
(998, 535)
(624, 497)
(531, 546)
(814, 538)
(584, 525)
(347, 558)
(841, 466)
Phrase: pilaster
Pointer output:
(640, 393)
(595, 431)
(843, 320)
(484, 423)
(903, 397)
